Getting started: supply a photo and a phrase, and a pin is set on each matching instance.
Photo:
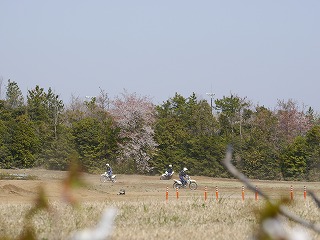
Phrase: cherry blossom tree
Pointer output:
(135, 116)
(292, 121)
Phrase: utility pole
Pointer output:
(211, 96)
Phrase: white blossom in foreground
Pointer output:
(103, 229)
(276, 229)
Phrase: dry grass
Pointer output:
(143, 212)
(149, 219)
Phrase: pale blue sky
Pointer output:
(262, 50)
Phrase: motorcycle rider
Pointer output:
(109, 170)
(170, 171)
(183, 175)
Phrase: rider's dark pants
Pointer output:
(183, 181)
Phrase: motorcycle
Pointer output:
(192, 184)
(166, 176)
(105, 178)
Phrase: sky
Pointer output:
(263, 51)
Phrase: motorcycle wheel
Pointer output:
(103, 179)
(193, 186)
(114, 179)
(176, 185)
(162, 178)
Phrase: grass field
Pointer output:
(144, 212)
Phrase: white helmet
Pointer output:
(107, 165)
(185, 169)
(170, 165)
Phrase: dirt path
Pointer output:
(137, 187)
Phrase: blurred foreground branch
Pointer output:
(281, 209)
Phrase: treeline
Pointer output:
(135, 136)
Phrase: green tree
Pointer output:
(233, 111)
(37, 105)
(56, 157)
(14, 102)
(5, 156)
(44, 110)
(24, 144)
(14, 97)
(186, 133)
(55, 108)
(95, 142)
(94, 133)
(313, 161)
(86, 135)
(294, 160)
(259, 157)
(234, 116)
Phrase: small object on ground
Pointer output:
(122, 192)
